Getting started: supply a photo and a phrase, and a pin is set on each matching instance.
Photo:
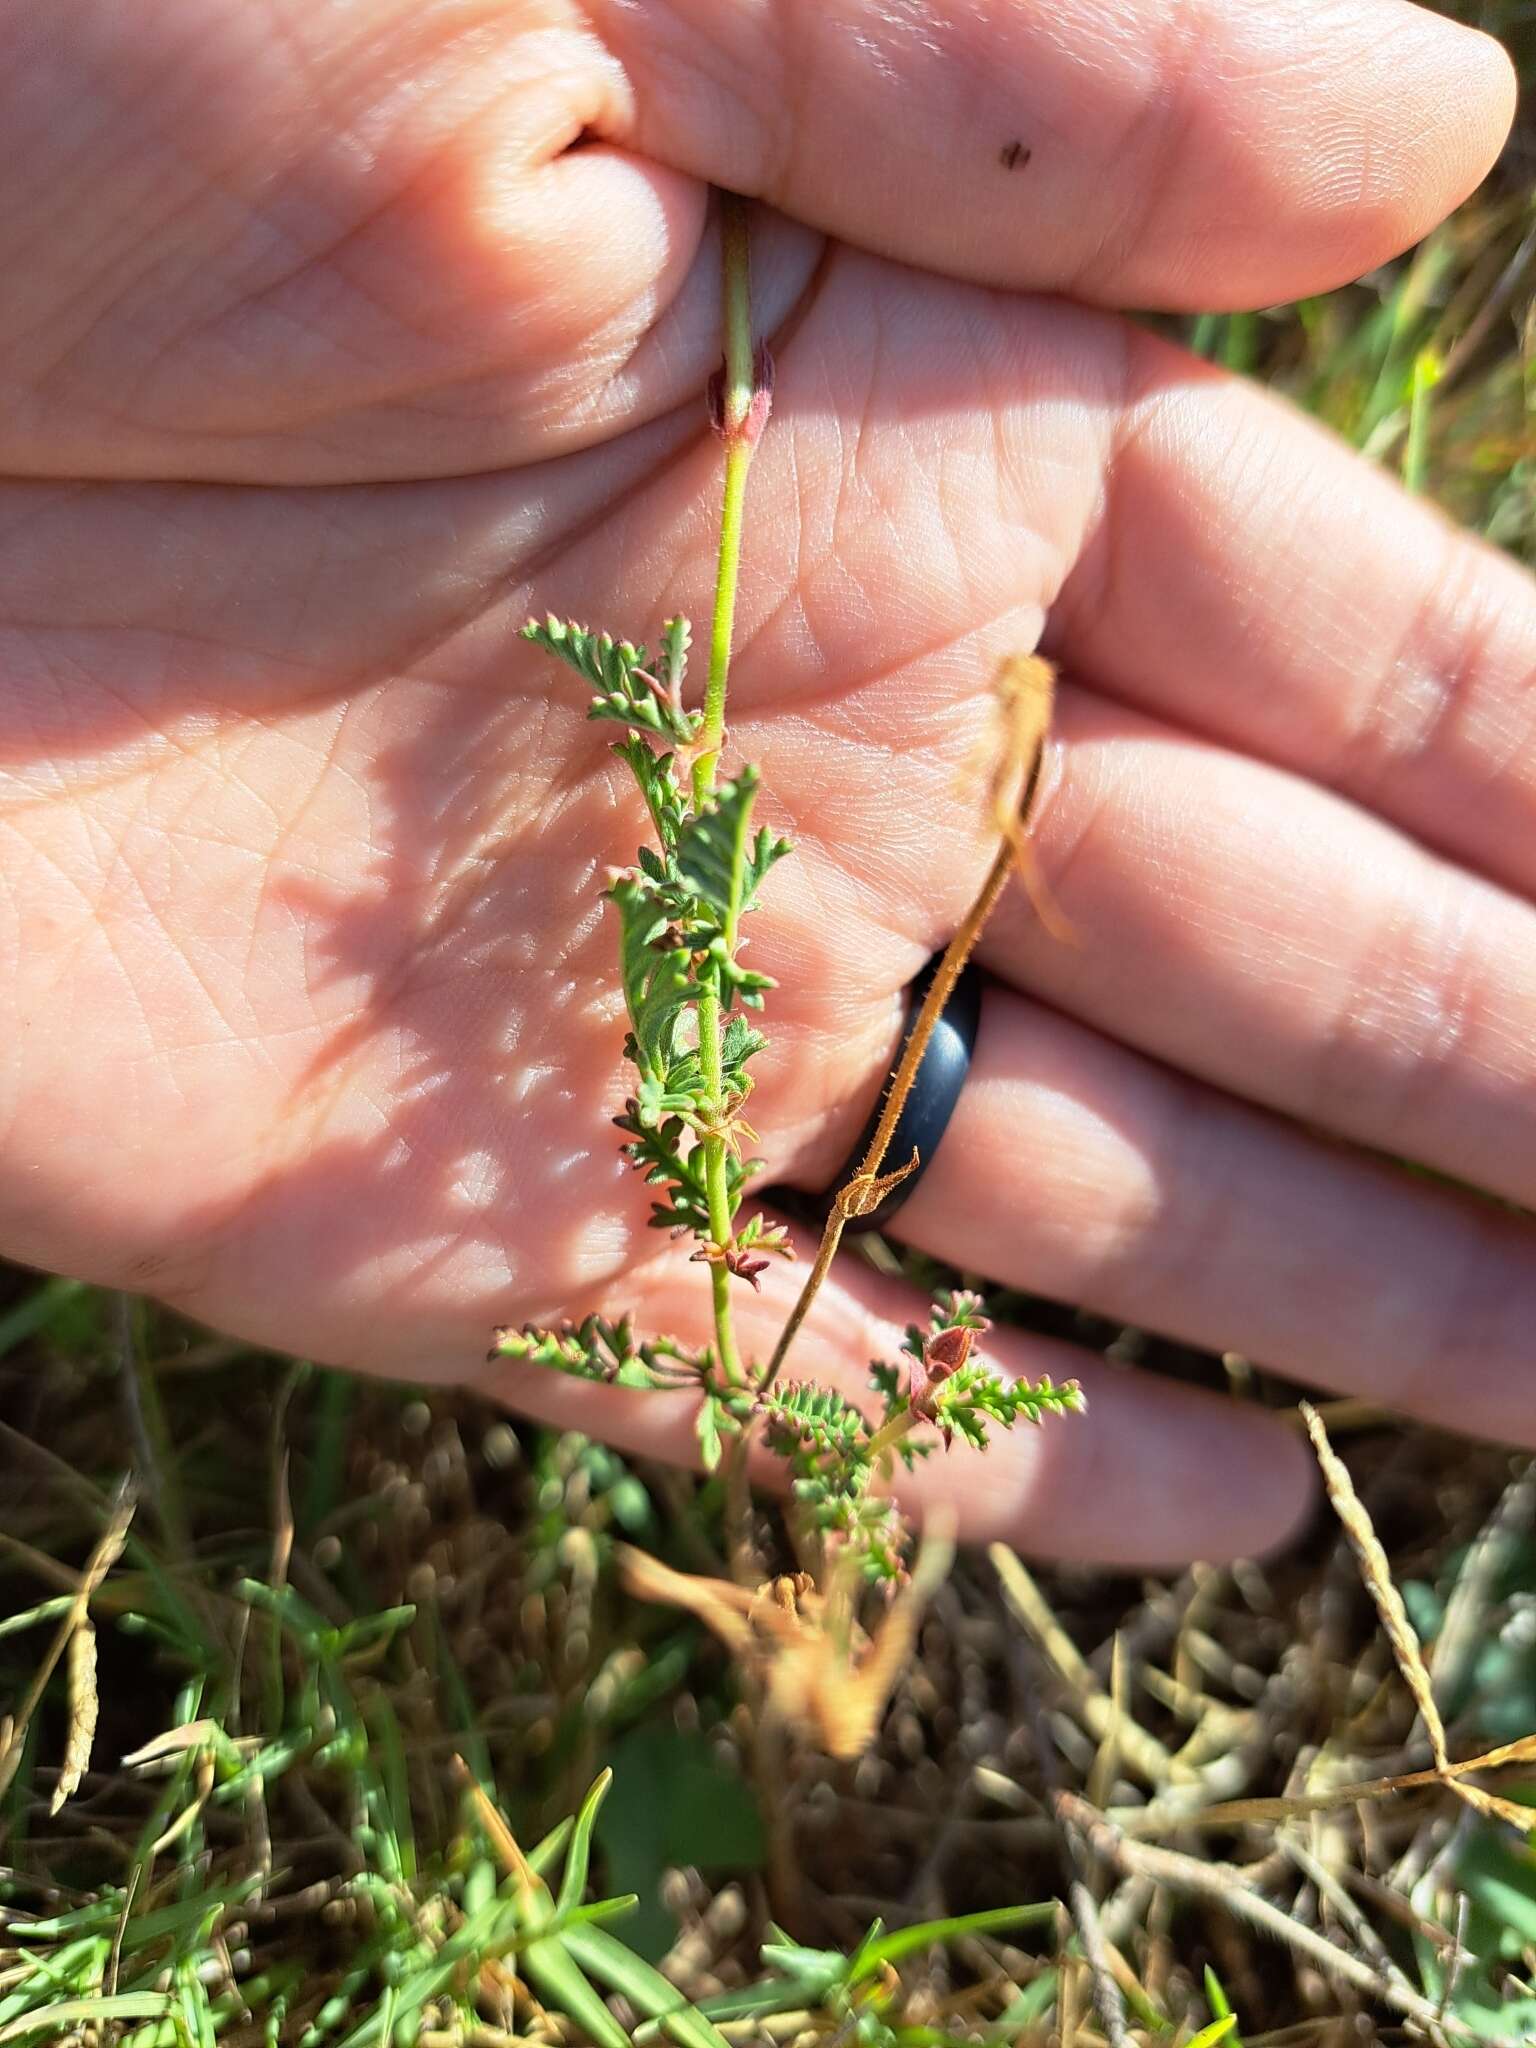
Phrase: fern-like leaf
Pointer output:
(718, 858)
(599, 1350)
(815, 1417)
(656, 778)
(658, 978)
(607, 664)
(625, 690)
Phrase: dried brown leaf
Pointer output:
(176, 1741)
(866, 1191)
(1023, 696)
(817, 1670)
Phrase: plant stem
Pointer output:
(718, 1194)
(736, 404)
(890, 1434)
(958, 951)
(737, 401)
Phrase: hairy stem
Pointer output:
(956, 954)
(739, 381)
(736, 404)
(715, 1188)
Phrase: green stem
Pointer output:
(737, 400)
(715, 1187)
(889, 1434)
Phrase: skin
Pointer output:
(325, 355)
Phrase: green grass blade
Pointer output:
(578, 1857)
(1426, 375)
(1218, 2030)
(60, 2017)
(601, 1909)
(552, 1971)
(33, 1617)
(541, 1858)
(36, 1312)
(1221, 2006)
(607, 1959)
(906, 1941)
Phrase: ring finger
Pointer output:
(1078, 1169)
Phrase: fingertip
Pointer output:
(1453, 92)
(1309, 151)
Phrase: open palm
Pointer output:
(336, 339)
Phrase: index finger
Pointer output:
(1177, 153)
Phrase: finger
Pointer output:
(1170, 152)
(1081, 1171)
(1152, 1474)
(1253, 580)
(1276, 941)
(316, 244)
(385, 242)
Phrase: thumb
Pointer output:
(306, 244)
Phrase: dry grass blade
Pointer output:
(1405, 1648)
(850, 1703)
(497, 1833)
(1103, 1720)
(1377, 1573)
(1230, 1813)
(1228, 1888)
(84, 1713)
(175, 1742)
(108, 1550)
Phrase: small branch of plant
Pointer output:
(691, 1003)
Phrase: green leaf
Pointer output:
(1031, 2002)
(574, 1881)
(712, 849)
(739, 1042)
(626, 692)
(707, 1424)
(658, 983)
(672, 1803)
(607, 664)
(717, 857)
(676, 638)
(647, 1990)
(599, 1350)
(57, 2019)
(905, 1941)
(657, 781)
(552, 1971)
(1218, 2030)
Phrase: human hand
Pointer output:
(326, 353)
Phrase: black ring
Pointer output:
(935, 1092)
